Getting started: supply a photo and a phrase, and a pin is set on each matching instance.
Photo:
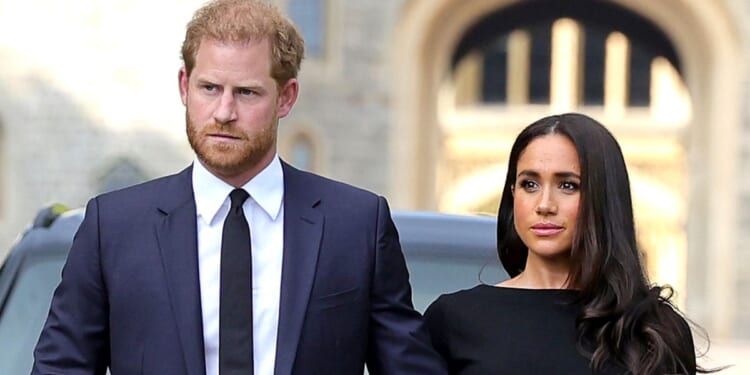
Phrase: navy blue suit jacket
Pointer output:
(129, 298)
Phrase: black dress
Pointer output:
(489, 330)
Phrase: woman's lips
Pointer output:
(546, 230)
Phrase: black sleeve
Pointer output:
(686, 336)
(681, 343)
(434, 318)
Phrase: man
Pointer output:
(322, 287)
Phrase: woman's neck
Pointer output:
(541, 274)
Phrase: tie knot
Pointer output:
(238, 197)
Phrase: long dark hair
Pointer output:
(623, 320)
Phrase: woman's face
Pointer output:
(546, 196)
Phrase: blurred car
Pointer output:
(444, 253)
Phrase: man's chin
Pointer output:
(229, 164)
(225, 166)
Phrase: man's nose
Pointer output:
(226, 108)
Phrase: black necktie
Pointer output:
(236, 292)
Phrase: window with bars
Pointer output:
(310, 17)
(302, 152)
(590, 53)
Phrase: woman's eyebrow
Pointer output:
(533, 173)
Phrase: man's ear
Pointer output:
(183, 80)
(288, 96)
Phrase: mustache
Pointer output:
(218, 126)
(225, 129)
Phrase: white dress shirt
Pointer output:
(265, 215)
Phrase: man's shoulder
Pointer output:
(146, 192)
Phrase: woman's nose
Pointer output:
(546, 204)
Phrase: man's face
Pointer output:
(233, 107)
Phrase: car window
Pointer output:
(431, 277)
(25, 311)
(447, 253)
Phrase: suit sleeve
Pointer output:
(398, 340)
(74, 340)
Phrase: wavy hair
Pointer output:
(243, 21)
(623, 319)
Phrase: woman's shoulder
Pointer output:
(460, 297)
(465, 310)
(458, 302)
(491, 297)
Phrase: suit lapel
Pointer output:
(177, 236)
(303, 229)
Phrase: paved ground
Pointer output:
(736, 353)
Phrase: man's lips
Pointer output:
(223, 136)
(546, 229)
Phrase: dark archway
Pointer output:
(489, 37)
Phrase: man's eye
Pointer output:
(245, 92)
(209, 88)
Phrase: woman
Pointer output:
(578, 300)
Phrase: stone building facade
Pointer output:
(402, 97)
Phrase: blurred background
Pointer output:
(418, 100)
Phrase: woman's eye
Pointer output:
(528, 185)
(569, 186)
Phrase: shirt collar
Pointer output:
(210, 192)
